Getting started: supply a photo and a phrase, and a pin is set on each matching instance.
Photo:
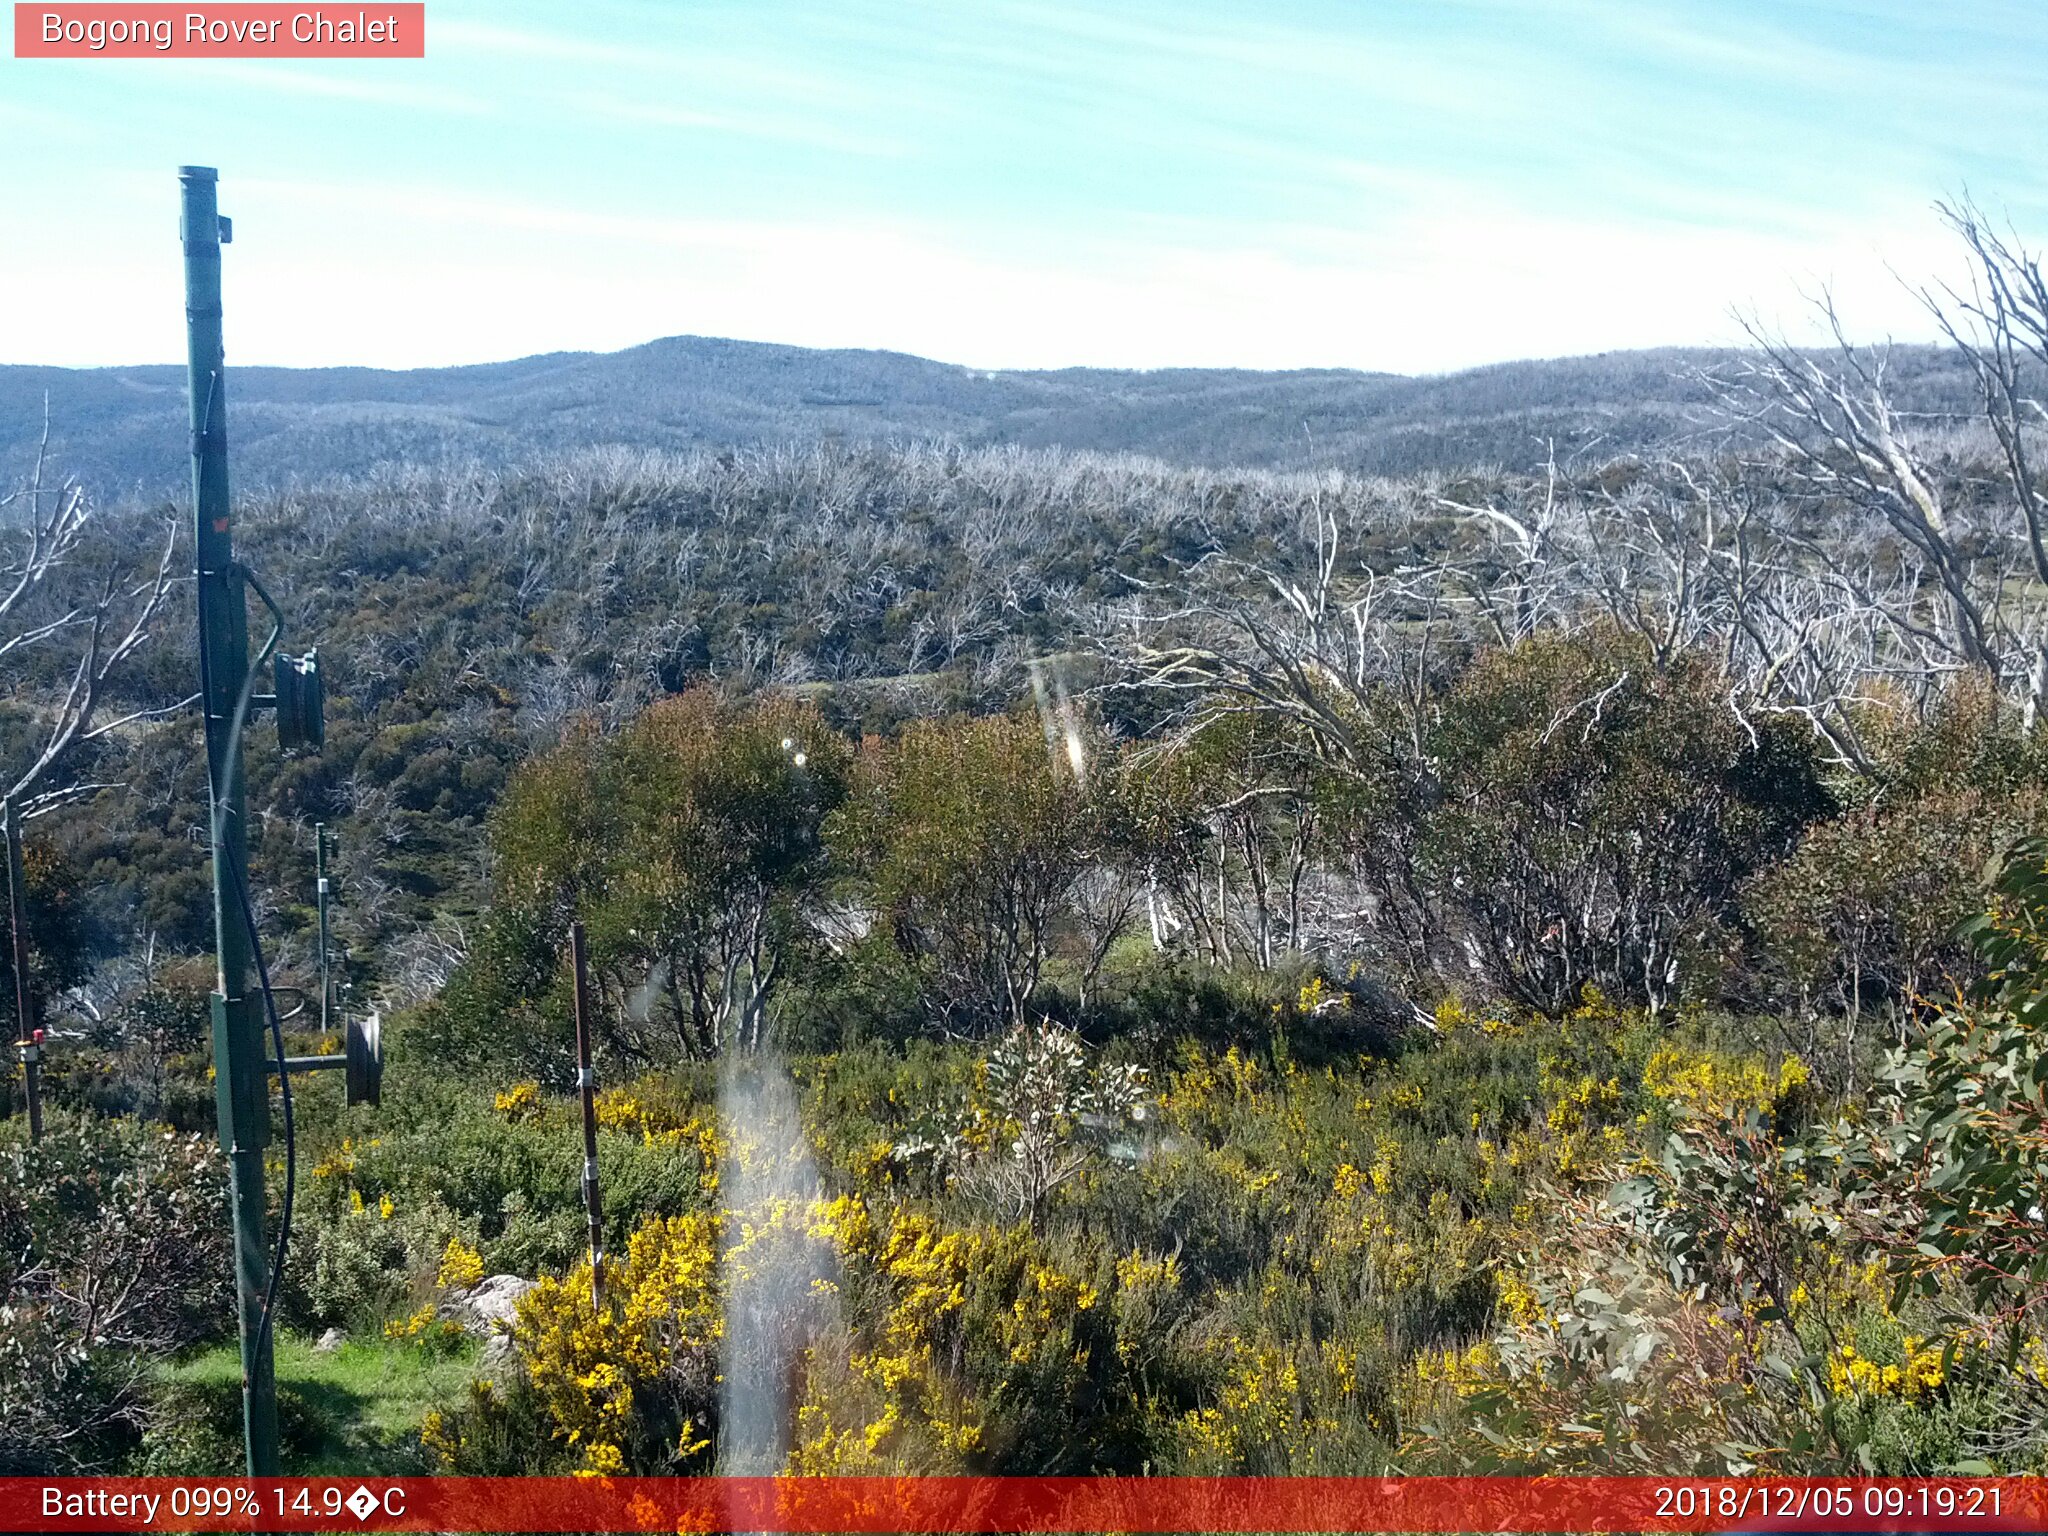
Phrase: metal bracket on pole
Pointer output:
(361, 1058)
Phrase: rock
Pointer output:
(488, 1307)
(329, 1342)
(499, 1353)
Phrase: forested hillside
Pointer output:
(1097, 965)
(123, 429)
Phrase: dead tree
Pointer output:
(1844, 444)
(1338, 651)
(53, 601)
(2000, 326)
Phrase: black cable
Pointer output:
(284, 1083)
(222, 800)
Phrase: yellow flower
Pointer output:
(338, 1162)
(461, 1266)
(1853, 1374)
(1517, 1300)
(408, 1329)
(663, 1311)
(519, 1102)
(1135, 1272)
(1706, 1083)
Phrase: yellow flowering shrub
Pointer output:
(1518, 1303)
(1281, 1407)
(633, 1386)
(1916, 1373)
(338, 1164)
(407, 1328)
(648, 1109)
(1454, 1017)
(1576, 1105)
(426, 1329)
(1709, 1084)
(925, 1271)
(519, 1102)
(876, 1163)
(1296, 1262)
(981, 1349)
(1203, 1082)
(461, 1266)
(1147, 1301)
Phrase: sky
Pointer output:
(1405, 185)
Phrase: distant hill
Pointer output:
(124, 429)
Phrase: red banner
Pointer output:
(977, 1504)
(240, 31)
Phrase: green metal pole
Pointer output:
(241, 1091)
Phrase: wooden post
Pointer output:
(586, 1085)
(28, 1044)
(320, 896)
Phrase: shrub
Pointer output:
(375, 1259)
(1597, 816)
(1957, 1172)
(1866, 915)
(973, 835)
(633, 1387)
(1779, 1291)
(985, 1350)
(687, 844)
(114, 1249)
(1040, 1113)
(194, 1429)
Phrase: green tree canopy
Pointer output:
(974, 834)
(688, 845)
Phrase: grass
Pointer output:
(356, 1409)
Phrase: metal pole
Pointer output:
(241, 1090)
(28, 1044)
(320, 889)
(586, 1084)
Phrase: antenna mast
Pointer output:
(240, 1088)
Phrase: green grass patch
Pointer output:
(356, 1409)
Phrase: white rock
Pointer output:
(499, 1353)
(329, 1342)
(489, 1306)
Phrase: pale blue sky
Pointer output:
(1405, 184)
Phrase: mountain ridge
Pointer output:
(122, 430)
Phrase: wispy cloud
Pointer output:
(324, 81)
(1022, 182)
(761, 67)
(767, 126)
(1419, 295)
